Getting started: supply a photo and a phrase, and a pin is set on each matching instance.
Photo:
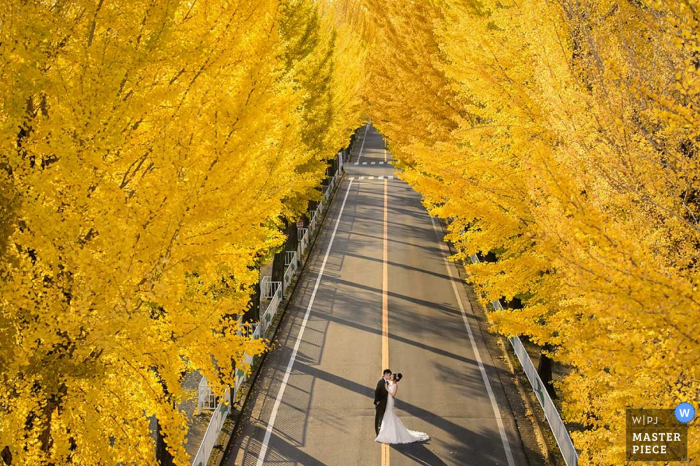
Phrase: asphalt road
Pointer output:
(384, 278)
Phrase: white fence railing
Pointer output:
(211, 436)
(268, 290)
(331, 185)
(291, 268)
(205, 396)
(268, 287)
(256, 332)
(221, 410)
(312, 222)
(290, 257)
(240, 373)
(566, 445)
(269, 315)
(303, 234)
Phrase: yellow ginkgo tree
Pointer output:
(564, 147)
(147, 150)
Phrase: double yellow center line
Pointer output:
(385, 306)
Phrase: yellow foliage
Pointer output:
(565, 143)
(148, 149)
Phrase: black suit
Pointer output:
(380, 396)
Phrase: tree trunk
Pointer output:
(544, 370)
(163, 456)
(6, 455)
(253, 312)
(278, 267)
(292, 237)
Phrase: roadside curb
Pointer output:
(228, 432)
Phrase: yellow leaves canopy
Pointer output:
(564, 143)
(148, 149)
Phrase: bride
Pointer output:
(393, 430)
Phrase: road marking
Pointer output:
(477, 356)
(385, 282)
(364, 138)
(385, 454)
(385, 306)
(285, 380)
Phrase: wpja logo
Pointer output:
(684, 412)
(658, 434)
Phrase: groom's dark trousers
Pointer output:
(380, 398)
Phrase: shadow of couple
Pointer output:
(419, 453)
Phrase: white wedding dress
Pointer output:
(393, 430)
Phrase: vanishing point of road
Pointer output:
(378, 292)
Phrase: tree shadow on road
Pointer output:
(419, 453)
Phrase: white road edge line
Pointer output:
(496, 411)
(278, 401)
(364, 138)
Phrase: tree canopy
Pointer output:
(561, 138)
(148, 151)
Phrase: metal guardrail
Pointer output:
(205, 396)
(303, 234)
(221, 410)
(240, 374)
(211, 436)
(312, 223)
(328, 190)
(269, 315)
(291, 268)
(289, 257)
(566, 445)
(275, 292)
(268, 287)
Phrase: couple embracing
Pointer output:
(389, 427)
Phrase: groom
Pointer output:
(380, 396)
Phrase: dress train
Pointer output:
(393, 430)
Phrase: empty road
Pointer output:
(378, 292)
